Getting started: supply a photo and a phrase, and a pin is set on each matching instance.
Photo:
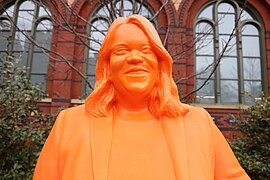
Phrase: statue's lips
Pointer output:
(136, 71)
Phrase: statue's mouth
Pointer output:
(136, 71)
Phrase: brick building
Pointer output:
(58, 41)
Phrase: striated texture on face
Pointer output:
(133, 64)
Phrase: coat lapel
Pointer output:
(174, 131)
(101, 138)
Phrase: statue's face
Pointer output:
(133, 63)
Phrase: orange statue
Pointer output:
(133, 126)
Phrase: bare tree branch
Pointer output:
(189, 47)
(45, 50)
(161, 7)
(217, 62)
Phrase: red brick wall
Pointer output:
(187, 12)
(176, 27)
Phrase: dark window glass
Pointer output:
(207, 13)
(207, 93)
(239, 70)
(32, 21)
(228, 68)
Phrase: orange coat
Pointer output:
(78, 148)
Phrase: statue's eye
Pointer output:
(120, 51)
(146, 49)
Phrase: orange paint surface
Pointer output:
(133, 125)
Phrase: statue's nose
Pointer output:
(135, 57)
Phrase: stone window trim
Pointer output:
(255, 22)
(40, 17)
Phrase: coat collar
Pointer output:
(175, 135)
(101, 140)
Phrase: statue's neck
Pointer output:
(132, 113)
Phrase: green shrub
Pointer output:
(23, 128)
(253, 148)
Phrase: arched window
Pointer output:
(18, 24)
(99, 24)
(232, 48)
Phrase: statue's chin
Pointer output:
(136, 88)
(137, 84)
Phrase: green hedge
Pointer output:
(23, 128)
(253, 148)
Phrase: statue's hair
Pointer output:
(164, 98)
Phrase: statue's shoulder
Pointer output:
(199, 120)
(72, 119)
(197, 114)
(193, 110)
(76, 109)
(76, 112)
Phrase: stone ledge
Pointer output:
(222, 106)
